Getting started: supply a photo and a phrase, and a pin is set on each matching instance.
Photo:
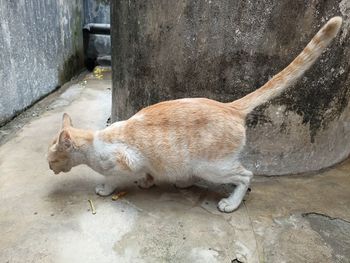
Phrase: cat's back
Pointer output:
(196, 127)
(188, 112)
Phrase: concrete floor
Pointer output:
(47, 218)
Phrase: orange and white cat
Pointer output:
(180, 140)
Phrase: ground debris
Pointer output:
(118, 195)
(93, 210)
(98, 72)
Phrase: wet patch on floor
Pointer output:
(334, 231)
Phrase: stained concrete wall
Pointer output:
(41, 47)
(225, 49)
(97, 11)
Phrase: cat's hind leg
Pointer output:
(146, 182)
(241, 177)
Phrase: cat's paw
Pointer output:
(146, 182)
(104, 189)
(227, 206)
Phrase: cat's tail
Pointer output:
(293, 71)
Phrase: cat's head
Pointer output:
(60, 150)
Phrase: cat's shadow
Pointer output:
(70, 196)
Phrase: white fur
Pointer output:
(102, 157)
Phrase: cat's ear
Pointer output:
(65, 141)
(66, 121)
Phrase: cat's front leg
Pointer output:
(106, 188)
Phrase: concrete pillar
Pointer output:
(225, 49)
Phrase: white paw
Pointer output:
(104, 189)
(145, 183)
(227, 206)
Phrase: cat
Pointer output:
(180, 140)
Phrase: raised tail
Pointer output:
(293, 71)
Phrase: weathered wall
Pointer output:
(41, 47)
(225, 49)
(96, 11)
